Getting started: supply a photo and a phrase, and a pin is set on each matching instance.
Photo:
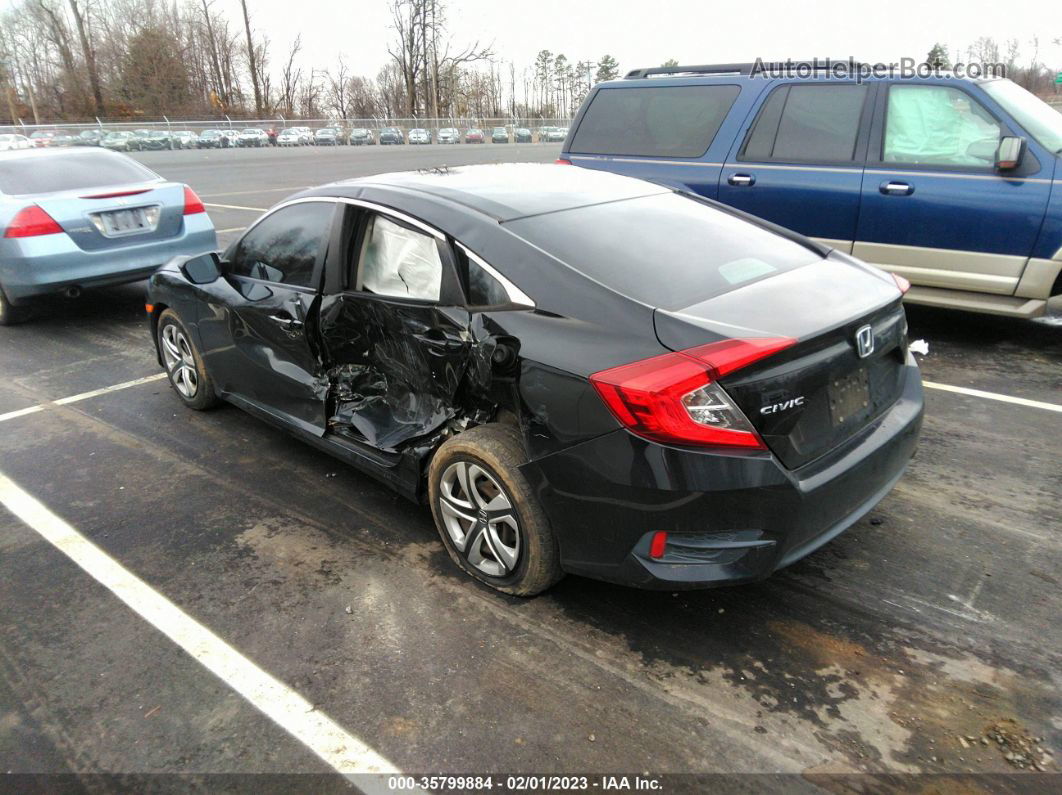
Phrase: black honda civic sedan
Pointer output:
(578, 371)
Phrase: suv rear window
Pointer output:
(669, 121)
(807, 124)
(667, 251)
(70, 171)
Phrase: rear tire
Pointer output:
(487, 516)
(9, 314)
(184, 366)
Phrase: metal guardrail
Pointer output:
(279, 123)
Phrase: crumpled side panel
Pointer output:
(396, 368)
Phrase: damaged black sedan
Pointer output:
(578, 371)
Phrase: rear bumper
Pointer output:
(37, 266)
(731, 518)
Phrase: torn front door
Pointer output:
(394, 366)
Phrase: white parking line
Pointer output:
(961, 390)
(231, 229)
(237, 207)
(344, 752)
(83, 396)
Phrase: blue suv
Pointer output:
(953, 183)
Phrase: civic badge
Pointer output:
(864, 340)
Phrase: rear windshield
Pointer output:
(654, 121)
(73, 171)
(666, 250)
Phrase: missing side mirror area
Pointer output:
(1010, 153)
(203, 269)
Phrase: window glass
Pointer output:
(284, 246)
(484, 289)
(397, 261)
(938, 125)
(678, 121)
(760, 142)
(819, 123)
(1042, 121)
(666, 250)
(70, 171)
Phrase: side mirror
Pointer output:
(203, 269)
(1010, 153)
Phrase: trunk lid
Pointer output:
(112, 217)
(811, 397)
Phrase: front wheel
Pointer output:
(184, 366)
(486, 514)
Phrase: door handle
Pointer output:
(287, 322)
(896, 188)
(741, 180)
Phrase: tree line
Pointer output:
(76, 60)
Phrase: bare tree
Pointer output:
(252, 63)
(290, 77)
(89, 54)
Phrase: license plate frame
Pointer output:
(849, 396)
(127, 221)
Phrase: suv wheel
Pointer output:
(488, 519)
(184, 365)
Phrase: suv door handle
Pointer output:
(896, 188)
(741, 180)
(287, 322)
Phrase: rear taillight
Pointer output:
(192, 203)
(674, 398)
(562, 161)
(32, 221)
(901, 282)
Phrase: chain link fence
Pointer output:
(538, 128)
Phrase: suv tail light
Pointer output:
(562, 161)
(32, 221)
(674, 398)
(192, 203)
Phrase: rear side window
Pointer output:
(284, 246)
(70, 171)
(679, 121)
(807, 124)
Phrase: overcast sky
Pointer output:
(640, 33)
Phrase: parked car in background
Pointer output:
(43, 138)
(252, 137)
(13, 141)
(80, 218)
(474, 136)
(706, 426)
(499, 135)
(92, 137)
(951, 183)
(157, 139)
(449, 135)
(522, 135)
(210, 139)
(391, 135)
(121, 141)
(325, 136)
(360, 136)
(64, 138)
(419, 136)
(542, 132)
(289, 137)
(184, 139)
(305, 135)
(556, 135)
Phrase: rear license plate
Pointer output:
(125, 222)
(849, 396)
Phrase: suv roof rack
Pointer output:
(816, 64)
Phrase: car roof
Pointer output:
(505, 192)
